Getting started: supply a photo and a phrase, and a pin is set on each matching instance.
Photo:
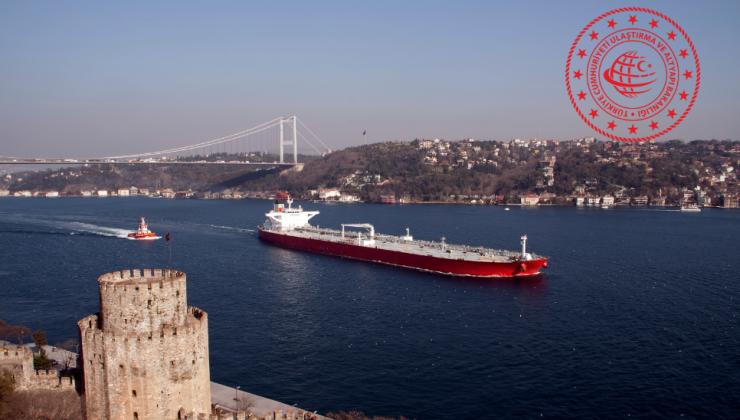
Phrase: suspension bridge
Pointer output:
(249, 147)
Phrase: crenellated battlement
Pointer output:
(141, 275)
(19, 362)
(15, 354)
(142, 301)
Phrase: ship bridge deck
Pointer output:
(396, 243)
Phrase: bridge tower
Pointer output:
(294, 121)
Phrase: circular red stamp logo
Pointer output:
(632, 74)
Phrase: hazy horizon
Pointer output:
(93, 79)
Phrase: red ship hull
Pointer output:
(419, 262)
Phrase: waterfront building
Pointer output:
(529, 200)
(641, 200)
(326, 193)
(388, 199)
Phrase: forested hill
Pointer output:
(441, 171)
(445, 171)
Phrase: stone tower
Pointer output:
(145, 354)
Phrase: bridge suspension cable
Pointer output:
(268, 137)
(309, 130)
(214, 142)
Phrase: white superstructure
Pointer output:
(280, 218)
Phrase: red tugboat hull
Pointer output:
(150, 235)
(143, 232)
(450, 266)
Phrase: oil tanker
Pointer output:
(289, 227)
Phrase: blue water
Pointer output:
(636, 317)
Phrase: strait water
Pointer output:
(636, 317)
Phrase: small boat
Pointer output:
(507, 209)
(691, 208)
(604, 206)
(143, 232)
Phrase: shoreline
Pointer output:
(409, 203)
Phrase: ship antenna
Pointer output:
(289, 201)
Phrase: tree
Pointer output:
(19, 331)
(245, 402)
(39, 337)
(67, 355)
(4, 330)
(42, 361)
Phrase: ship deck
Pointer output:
(398, 244)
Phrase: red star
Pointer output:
(612, 24)
(581, 53)
(672, 36)
(577, 74)
(633, 19)
(687, 75)
(594, 35)
(672, 113)
(593, 114)
(612, 126)
(684, 95)
(654, 125)
(683, 54)
(653, 24)
(633, 129)
(581, 96)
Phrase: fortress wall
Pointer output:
(168, 371)
(142, 301)
(93, 372)
(19, 362)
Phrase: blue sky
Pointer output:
(102, 78)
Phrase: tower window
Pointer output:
(133, 392)
(136, 415)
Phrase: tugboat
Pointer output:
(143, 232)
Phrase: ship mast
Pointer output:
(524, 245)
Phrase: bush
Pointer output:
(7, 383)
(357, 415)
(41, 404)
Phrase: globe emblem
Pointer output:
(628, 77)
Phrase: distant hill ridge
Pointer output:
(441, 171)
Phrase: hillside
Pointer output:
(455, 171)
(441, 171)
